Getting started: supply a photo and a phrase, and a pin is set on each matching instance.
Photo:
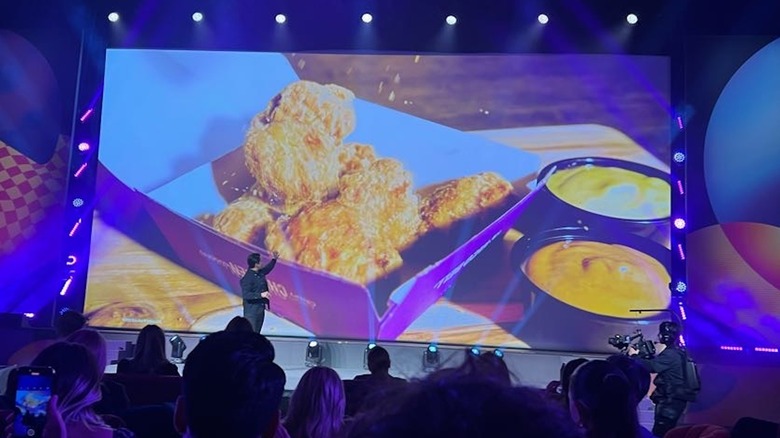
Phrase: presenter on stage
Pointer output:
(254, 290)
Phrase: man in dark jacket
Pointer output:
(254, 290)
(670, 395)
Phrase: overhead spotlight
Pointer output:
(113, 17)
(680, 287)
(451, 20)
(369, 347)
(431, 358)
(177, 349)
(197, 17)
(678, 157)
(543, 18)
(78, 202)
(632, 18)
(281, 18)
(83, 146)
(679, 223)
(314, 354)
(366, 18)
(474, 351)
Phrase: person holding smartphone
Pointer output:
(254, 290)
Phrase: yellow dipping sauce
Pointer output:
(613, 192)
(600, 278)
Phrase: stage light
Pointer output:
(366, 18)
(113, 17)
(683, 315)
(543, 18)
(431, 358)
(281, 18)
(83, 146)
(681, 286)
(86, 115)
(78, 202)
(314, 355)
(29, 315)
(679, 223)
(75, 227)
(177, 349)
(680, 251)
(369, 347)
(80, 170)
(197, 17)
(474, 351)
(451, 20)
(680, 187)
(730, 348)
(71, 260)
(498, 353)
(766, 350)
(632, 18)
(678, 157)
(65, 286)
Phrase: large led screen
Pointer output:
(520, 201)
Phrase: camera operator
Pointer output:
(670, 396)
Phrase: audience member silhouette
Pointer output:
(77, 387)
(66, 323)
(378, 362)
(455, 405)
(239, 324)
(602, 401)
(113, 399)
(317, 405)
(231, 388)
(558, 390)
(149, 356)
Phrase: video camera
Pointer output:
(623, 342)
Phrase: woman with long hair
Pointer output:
(149, 357)
(602, 401)
(77, 387)
(317, 405)
(114, 397)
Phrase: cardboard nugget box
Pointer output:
(163, 217)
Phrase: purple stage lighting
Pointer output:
(75, 227)
(766, 350)
(681, 286)
(367, 18)
(679, 122)
(451, 20)
(730, 348)
(80, 170)
(78, 202)
(71, 260)
(679, 223)
(682, 312)
(680, 187)
(86, 115)
(543, 18)
(83, 146)
(281, 18)
(65, 286)
(680, 251)
(678, 157)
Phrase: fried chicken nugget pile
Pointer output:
(333, 238)
(244, 219)
(336, 206)
(292, 148)
(464, 197)
(383, 193)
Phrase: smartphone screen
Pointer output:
(33, 391)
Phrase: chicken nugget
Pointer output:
(463, 197)
(384, 193)
(244, 219)
(356, 156)
(334, 238)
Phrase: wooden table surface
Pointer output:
(130, 286)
